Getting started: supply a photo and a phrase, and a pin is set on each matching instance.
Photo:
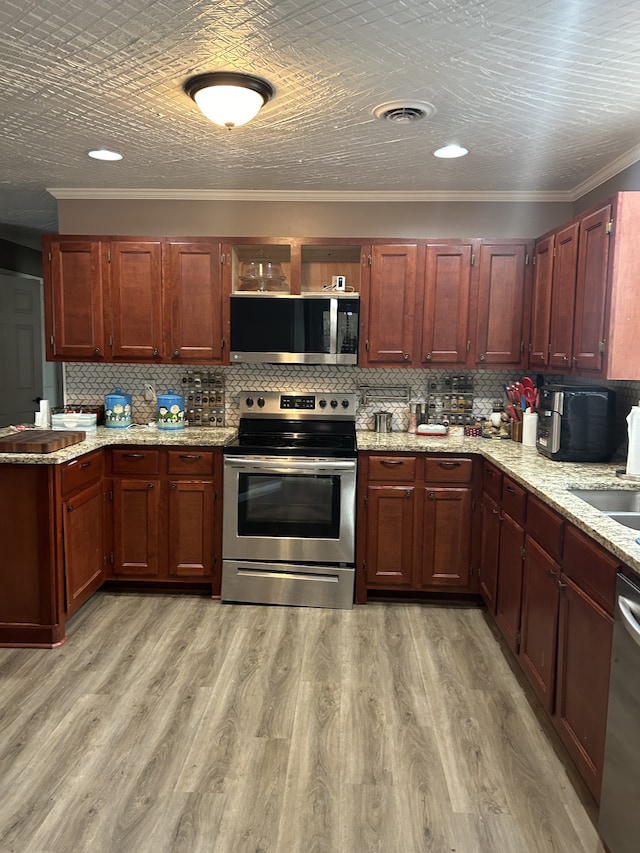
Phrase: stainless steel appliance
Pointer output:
(313, 328)
(619, 820)
(576, 423)
(289, 500)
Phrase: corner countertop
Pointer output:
(133, 435)
(543, 477)
(547, 479)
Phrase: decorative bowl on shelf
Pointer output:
(262, 276)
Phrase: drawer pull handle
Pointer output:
(190, 457)
(86, 464)
(448, 465)
(510, 489)
(133, 455)
(392, 462)
(489, 473)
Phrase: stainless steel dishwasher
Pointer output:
(619, 821)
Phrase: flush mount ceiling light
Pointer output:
(449, 152)
(104, 154)
(403, 112)
(229, 98)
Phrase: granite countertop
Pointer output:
(133, 435)
(543, 477)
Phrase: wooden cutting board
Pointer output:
(40, 440)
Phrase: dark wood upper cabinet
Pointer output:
(193, 301)
(444, 336)
(389, 306)
(502, 315)
(74, 299)
(591, 291)
(136, 300)
(541, 306)
(563, 297)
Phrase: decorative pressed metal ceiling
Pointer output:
(546, 95)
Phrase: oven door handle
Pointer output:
(257, 465)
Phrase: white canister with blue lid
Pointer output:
(118, 410)
(170, 410)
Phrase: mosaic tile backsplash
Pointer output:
(88, 383)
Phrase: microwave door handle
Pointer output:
(333, 325)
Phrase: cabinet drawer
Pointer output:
(393, 469)
(190, 461)
(492, 480)
(545, 526)
(134, 461)
(591, 567)
(85, 469)
(448, 470)
(514, 499)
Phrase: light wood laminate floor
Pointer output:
(181, 724)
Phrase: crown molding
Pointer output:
(614, 168)
(333, 196)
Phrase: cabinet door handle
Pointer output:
(133, 455)
(496, 512)
(561, 585)
(551, 573)
(449, 465)
(432, 496)
(156, 352)
(173, 486)
(70, 508)
(176, 353)
(96, 351)
(407, 356)
(489, 473)
(391, 462)
(149, 485)
(190, 457)
(427, 356)
(482, 356)
(407, 494)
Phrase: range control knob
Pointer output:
(334, 404)
(249, 401)
(322, 403)
(261, 402)
(345, 404)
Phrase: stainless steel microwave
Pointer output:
(307, 329)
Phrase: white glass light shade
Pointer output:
(228, 106)
(229, 98)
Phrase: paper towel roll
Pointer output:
(45, 413)
(529, 429)
(633, 454)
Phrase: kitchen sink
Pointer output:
(622, 505)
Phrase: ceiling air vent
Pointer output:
(403, 112)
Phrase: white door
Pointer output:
(21, 382)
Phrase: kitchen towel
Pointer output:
(633, 455)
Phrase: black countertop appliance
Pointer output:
(576, 423)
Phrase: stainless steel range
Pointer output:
(289, 500)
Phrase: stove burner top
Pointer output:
(283, 436)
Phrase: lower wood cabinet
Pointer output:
(417, 523)
(166, 515)
(539, 628)
(552, 590)
(585, 633)
(83, 528)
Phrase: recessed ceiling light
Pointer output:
(105, 154)
(448, 152)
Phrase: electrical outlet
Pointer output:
(149, 389)
(339, 283)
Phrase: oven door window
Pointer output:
(302, 506)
